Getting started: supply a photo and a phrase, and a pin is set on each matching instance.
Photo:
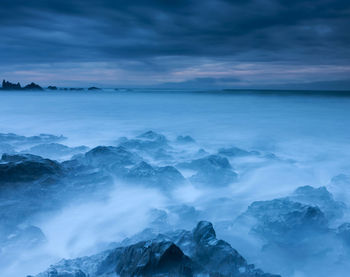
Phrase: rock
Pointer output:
(320, 197)
(14, 139)
(343, 232)
(150, 144)
(150, 135)
(211, 170)
(284, 223)
(6, 148)
(178, 253)
(26, 168)
(32, 86)
(109, 156)
(236, 152)
(55, 150)
(185, 139)
(340, 187)
(52, 88)
(94, 88)
(154, 259)
(163, 177)
(10, 86)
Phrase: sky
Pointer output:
(177, 43)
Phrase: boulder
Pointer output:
(26, 168)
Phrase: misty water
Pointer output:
(290, 141)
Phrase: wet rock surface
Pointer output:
(180, 253)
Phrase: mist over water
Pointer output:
(304, 141)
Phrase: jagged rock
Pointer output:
(164, 177)
(179, 253)
(185, 139)
(10, 86)
(211, 170)
(32, 86)
(94, 88)
(154, 259)
(26, 168)
(52, 87)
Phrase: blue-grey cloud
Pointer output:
(304, 32)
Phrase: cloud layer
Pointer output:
(153, 42)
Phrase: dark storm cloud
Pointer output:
(58, 31)
(94, 30)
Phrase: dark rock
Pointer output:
(154, 259)
(179, 253)
(52, 87)
(26, 168)
(10, 86)
(94, 88)
(32, 86)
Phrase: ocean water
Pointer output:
(309, 133)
